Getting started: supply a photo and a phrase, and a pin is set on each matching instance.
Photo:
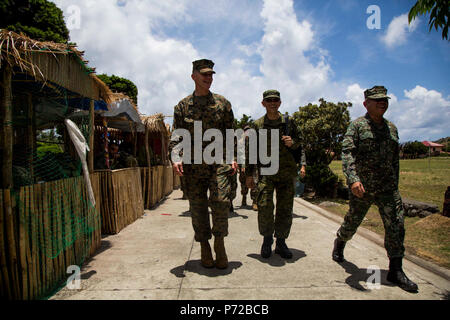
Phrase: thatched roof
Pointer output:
(48, 61)
(155, 123)
(116, 96)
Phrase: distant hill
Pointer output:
(443, 141)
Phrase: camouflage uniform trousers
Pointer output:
(218, 181)
(182, 184)
(285, 191)
(391, 210)
(233, 186)
(244, 188)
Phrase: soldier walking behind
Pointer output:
(283, 181)
(370, 161)
(242, 179)
(214, 112)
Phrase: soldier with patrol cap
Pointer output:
(214, 112)
(370, 161)
(282, 182)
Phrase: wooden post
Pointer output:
(31, 132)
(91, 137)
(106, 146)
(7, 130)
(135, 134)
(147, 151)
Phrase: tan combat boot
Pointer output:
(206, 255)
(221, 255)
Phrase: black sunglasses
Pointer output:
(272, 100)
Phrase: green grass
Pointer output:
(420, 179)
(423, 180)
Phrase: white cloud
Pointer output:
(120, 40)
(128, 38)
(287, 50)
(423, 115)
(398, 30)
(355, 95)
(136, 40)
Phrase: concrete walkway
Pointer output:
(157, 258)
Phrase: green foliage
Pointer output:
(439, 14)
(39, 19)
(44, 148)
(245, 120)
(445, 142)
(118, 84)
(322, 179)
(322, 128)
(414, 149)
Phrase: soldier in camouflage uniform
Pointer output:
(242, 179)
(283, 181)
(214, 111)
(370, 161)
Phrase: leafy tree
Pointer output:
(414, 148)
(245, 120)
(123, 85)
(322, 127)
(39, 19)
(439, 14)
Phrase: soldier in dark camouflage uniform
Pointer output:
(283, 181)
(370, 161)
(242, 179)
(214, 111)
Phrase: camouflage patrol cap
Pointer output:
(271, 94)
(377, 92)
(203, 66)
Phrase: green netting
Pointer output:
(55, 216)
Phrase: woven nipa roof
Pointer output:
(155, 123)
(59, 63)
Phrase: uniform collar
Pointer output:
(210, 98)
(369, 119)
(266, 119)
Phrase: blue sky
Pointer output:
(305, 49)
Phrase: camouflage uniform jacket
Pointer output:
(370, 154)
(287, 164)
(214, 111)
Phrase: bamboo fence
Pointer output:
(176, 181)
(168, 180)
(41, 235)
(121, 198)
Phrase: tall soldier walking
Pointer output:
(214, 112)
(370, 161)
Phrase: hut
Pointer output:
(120, 179)
(434, 149)
(157, 175)
(48, 220)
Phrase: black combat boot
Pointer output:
(282, 249)
(397, 276)
(266, 249)
(244, 201)
(338, 250)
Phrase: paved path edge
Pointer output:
(376, 238)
